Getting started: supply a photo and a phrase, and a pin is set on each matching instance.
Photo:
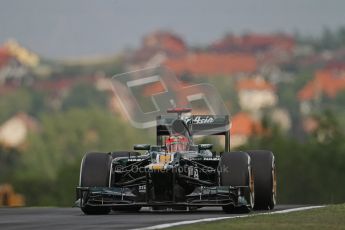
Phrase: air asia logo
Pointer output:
(200, 120)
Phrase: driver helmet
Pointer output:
(177, 143)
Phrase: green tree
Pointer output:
(83, 96)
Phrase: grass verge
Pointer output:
(330, 217)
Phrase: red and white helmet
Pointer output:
(177, 143)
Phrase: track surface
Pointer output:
(72, 218)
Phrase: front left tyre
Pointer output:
(94, 172)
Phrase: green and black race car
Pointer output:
(177, 174)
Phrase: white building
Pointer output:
(256, 94)
(13, 132)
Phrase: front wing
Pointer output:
(202, 197)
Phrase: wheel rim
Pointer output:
(251, 188)
(274, 183)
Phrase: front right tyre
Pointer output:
(235, 170)
(94, 172)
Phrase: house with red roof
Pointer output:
(270, 50)
(243, 127)
(212, 64)
(5, 56)
(168, 49)
(15, 62)
(327, 83)
(254, 43)
(166, 41)
(155, 48)
(255, 94)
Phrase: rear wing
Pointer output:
(198, 125)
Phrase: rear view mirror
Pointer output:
(142, 147)
(205, 146)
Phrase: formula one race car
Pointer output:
(176, 174)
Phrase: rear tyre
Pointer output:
(235, 170)
(264, 169)
(94, 172)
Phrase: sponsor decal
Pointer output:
(134, 159)
(200, 120)
(193, 172)
(211, 159)
(142, 188)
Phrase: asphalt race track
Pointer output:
(73, 218)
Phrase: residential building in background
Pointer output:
(255, 94)
(212, 64)
(14, 131)
(155, 48)
(243, 127)
(327, 83)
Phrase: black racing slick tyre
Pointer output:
(235, 170)
(94, 172)
(265, 179)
